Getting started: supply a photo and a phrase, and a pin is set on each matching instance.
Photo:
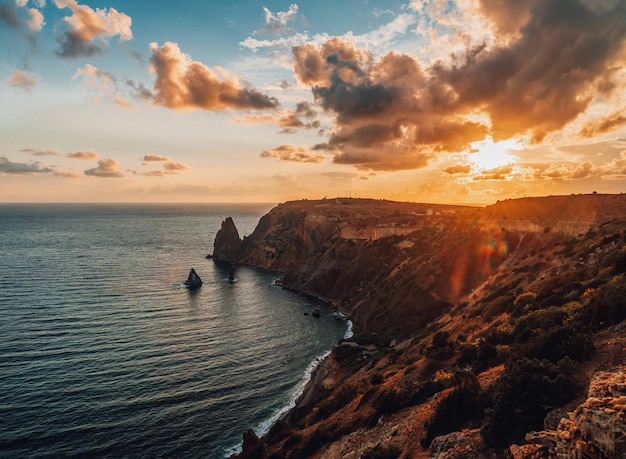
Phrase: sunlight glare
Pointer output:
(488, 154)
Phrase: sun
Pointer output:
(488, 154)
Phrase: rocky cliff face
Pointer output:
(595, 429)
(516, 296)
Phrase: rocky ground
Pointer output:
(473, 326)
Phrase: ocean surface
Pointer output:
(103, 351)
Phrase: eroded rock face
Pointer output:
(596, 429)
(227, 245)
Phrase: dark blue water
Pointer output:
(104, 353)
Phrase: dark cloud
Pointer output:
(9, 16)
(9, 167)
(390, 113)
(107, 168)
(293, 153)
(185, 84)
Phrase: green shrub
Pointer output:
(521, 398)
(605, 306)
(394, 399)
(338, 399)
(453, 413)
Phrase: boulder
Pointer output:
(227, 245)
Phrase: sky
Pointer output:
(443, 101)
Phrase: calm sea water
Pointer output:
(103, 352)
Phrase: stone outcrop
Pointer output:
(595, 429)
(227, 245)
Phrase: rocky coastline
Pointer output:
(454, 309)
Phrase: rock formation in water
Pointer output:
(526, 296)
(193, 280)
(227, 245)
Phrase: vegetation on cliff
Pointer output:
(480, 320)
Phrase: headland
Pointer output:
(479, 332)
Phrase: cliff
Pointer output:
(456, 309)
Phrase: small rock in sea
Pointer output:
(193, 280)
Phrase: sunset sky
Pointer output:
(465, 101)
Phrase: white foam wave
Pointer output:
(266, 425)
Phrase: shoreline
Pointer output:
(302, 393)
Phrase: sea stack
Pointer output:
(193, 280)
(227, 245)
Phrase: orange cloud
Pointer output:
(293, 153)
(155, 158)
(35, 20)
(23, 80)
(390, 113)
(85, 32)
(173, 167)
(87, 154)
(458, 169)
(603, 125)
(107, 168)
(185, 84)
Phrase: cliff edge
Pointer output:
(473, 326)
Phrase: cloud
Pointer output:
(9, 16)
(9, 167)
(95, 79)
(157, 158)
(603, 125)
(41, 151)
(101, 81)
(35, 20)
(277, 23)
(23, 80)
(498, 173)
(174, 168)
(293, 153)
(185, 84)
(379, 38)
(88, 154)
(392, 113)
(458, 169)
(86, 31)
(169, 167)
(107, 168)
(289, 120)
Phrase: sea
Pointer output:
(105, 353)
